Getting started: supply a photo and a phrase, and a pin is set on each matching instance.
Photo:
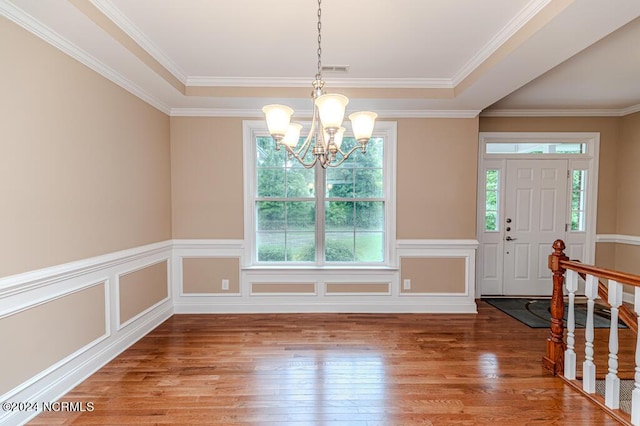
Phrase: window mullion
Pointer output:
(320, 214)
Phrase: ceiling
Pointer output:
(405, 58)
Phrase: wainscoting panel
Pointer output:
(156, 273)
(76, 306)
(331, 289)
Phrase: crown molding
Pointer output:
(512, 27)
(631, 110)
(251, 113)
(560, 112)
(117, 17)
(368, 83)
(19, 17)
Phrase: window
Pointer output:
(492, 198)
(536, 148)
(578, 183)
(316, 217)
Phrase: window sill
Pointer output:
(315, 269)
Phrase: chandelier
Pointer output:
(326, 124)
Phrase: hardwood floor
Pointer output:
(332, 369)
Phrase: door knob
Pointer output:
(508, 220)
(510, 239)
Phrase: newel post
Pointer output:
(553, 360)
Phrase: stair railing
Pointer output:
(560, 356)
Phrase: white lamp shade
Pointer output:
(337, 137)
(292, 136)
(362, 123)
(331, 110)
(278, 117)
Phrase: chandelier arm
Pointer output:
(345, 156)
(300, 159)
(307, 142)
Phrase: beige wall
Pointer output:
(206, 177)
(308, 288)
(437, 173)
(436, 187)
(141, 289)
(85, 165)
(37, 338)
(627, 257)
(205, 274)
(628, 218)
(383, 288)
(433, 275)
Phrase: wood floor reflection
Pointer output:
(332, 369)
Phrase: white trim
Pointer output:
(45, 33)
(257, 113)
(28, 281)
(25, 291)
(247, 301)
(189, 249)
(71, 374)
(504, 35)
(220, 247)
(436, 244)
(367, 83)
(116, 16)
(618, 239)
(604, 112)
(365, 304)
(74, 354)
(589, 138)
(466, 251)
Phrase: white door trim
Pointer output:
(588, 161)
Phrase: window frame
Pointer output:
(258, 128)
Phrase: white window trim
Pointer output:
(255, 128)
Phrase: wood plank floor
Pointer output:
(332, 369)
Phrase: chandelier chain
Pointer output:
(319, 75)
(326, 133)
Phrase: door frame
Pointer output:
(580, 245)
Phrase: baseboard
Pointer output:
(424, 305)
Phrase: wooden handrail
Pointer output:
(553, 360)
(609, 274)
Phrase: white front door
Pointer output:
(535, 216)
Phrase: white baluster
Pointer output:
(588, 367)
(635, 395)
(570, 353)
(612, 389)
